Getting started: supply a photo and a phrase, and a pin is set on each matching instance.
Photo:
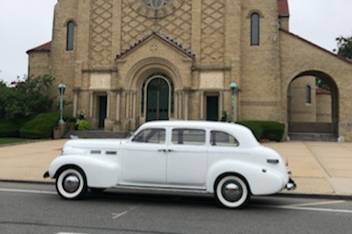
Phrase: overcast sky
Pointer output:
(27, 23)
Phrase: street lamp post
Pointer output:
(234, 91)
(61, 89)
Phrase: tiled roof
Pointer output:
(283, 8)
(42, 48)
(169, 40)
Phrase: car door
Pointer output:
(187, 158)
(144, 158)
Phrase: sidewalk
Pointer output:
(318, 168)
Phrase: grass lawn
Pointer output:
(9, 141)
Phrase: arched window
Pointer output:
(70, 36)
(255, 29)
(308, 94)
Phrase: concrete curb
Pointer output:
(289, 195)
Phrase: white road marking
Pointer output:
(311, 209)
(25, 191)
(70, 233)
(119, 215)
(318, 203)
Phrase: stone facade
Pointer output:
(194, 48)
(309, 103)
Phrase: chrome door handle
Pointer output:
(166, 150)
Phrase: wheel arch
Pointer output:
(231, 173)
(69, 166)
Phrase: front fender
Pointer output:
(100, 172)
(260, 183)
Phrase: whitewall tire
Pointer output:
(232, 192)
(71, 184)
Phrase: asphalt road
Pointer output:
(27, 208)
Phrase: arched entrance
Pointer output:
(313, 107)
(157, 96)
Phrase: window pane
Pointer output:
(153, 136)
(188, 137)
(223, 139)
(309, 94)
(70, 35)
(255, 29)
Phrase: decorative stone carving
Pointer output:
(101, 33)
(177, 25)
(213, 31)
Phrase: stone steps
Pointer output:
(310, 136)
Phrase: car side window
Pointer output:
(188, 137)
(218, 138)
(152, 136)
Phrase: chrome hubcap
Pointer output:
(232, 191)
(71, 183)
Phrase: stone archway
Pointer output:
(313, 106)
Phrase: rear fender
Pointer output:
(259, 182)
(100, 172)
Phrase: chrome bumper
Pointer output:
(46, 175)
(291, 185)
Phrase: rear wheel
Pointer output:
(71, 184)
(231, 191)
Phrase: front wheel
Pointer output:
(232, 192)
(71, 184)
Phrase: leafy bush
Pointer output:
(11, 128)
(269, 130)
(84, 125)
(25, 98)
(41, 126)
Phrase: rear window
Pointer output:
(188, 137)
(218, 138)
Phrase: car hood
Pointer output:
(84, 146)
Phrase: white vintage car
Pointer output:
(207, 157)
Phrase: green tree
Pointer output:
(26, 98)
(344, 47)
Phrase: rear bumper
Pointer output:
(291, 185)
(46, 175)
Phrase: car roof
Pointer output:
(194, 124)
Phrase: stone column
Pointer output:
(91, 104)
(201, 101)
(186, 104)
(76, 93)
(118, 106)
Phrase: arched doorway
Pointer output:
(313, 107)
(157, 96)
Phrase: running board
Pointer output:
(160, 189)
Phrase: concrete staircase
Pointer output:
(95, 134)
(310, 136)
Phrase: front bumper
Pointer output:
(291, 185)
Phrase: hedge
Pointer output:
(11, 128)
(265, 130)
(41, 126)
